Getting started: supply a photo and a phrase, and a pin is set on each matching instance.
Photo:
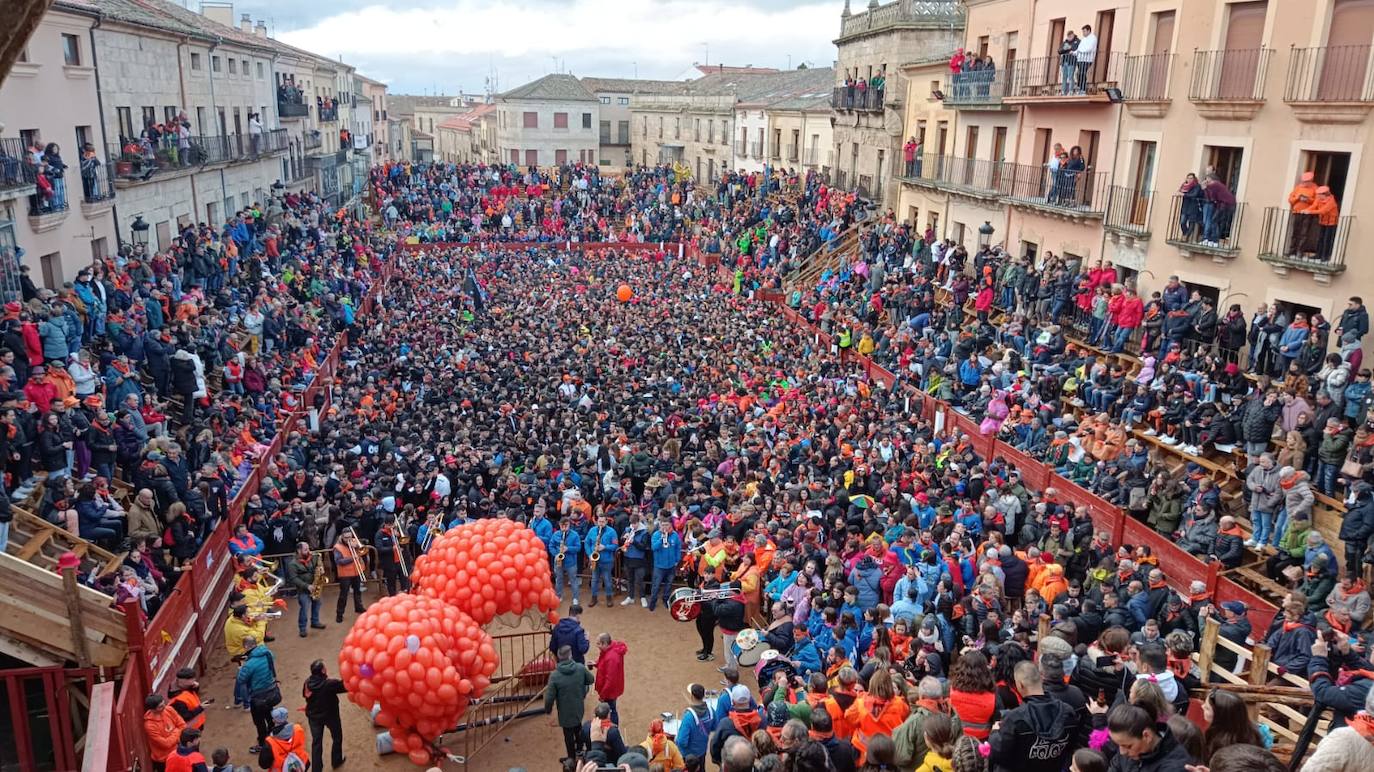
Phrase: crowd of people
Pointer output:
(692, 436)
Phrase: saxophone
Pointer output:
(317, 584)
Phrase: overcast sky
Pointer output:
(452, 44)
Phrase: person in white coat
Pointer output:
(1086, 54)
(1350, 748)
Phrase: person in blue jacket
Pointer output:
(568, 632)
(601, 540)
(542, 527)
(1345, 699)
(566, 541)
(694, 731)
(666, 546)
(257, 677)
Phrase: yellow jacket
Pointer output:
(934, 762)
(236, 630)
(670, 757)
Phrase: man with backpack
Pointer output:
(694, 731)
(284, 750)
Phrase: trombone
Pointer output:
(433, 525)
(352, 542)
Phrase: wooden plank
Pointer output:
(35, 545)
(13, 647)
(48, 584)
(97, 752)
(48, 634)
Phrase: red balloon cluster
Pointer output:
(422, 657)
(487, 568)
(421, 660)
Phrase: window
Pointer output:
(711, 130)
(214, 64)
(622, 132)
(605, 100)
(605, 133)
(149, 117)
(677, 128)
(515, 156)
(261, 72)
(560, 120)
(531, 120)
(200, 120)
(124, 117)
(586, 120)
(531, 157)
(1331, 169)
(29, 137)
(169, 114)
(99, 247)
(52, 269)
(623, 100)
(1226, 162)
(233, 66)
(696, 135)
(245, 68)
(560, 157)
(195, 60)
(23, 56)
(71, 50)
(83, 137)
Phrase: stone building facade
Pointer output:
(868, 124)
(549, 121)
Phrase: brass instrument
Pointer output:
(265, 609)
(596, 551)
(562, 550)
(351, 541)
(317, 584)
(433, 525)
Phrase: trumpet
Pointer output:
(256, 561)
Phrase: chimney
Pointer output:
(220, 13)
(246, 23)
(261, 29)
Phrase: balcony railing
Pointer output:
(854, 98)
(1128, 212)
(1196, 225)
(813, 156)
(1145, 78)
(292, 108)
(15, 170)
(312, 140)
(1301, 241)
(756, 149)
(742, 148)
(1056, 76)
(976, 88)
(1329, 74)
(793, 153)
(330, 113)
(1079, 192)
(139, 161)
(1235, 75)
(59, 201)
(97, 187)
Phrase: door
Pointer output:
(1161, 46)
(970, 153)
(999, 155)
(1106, 22)
(1345, 63)
(1049, 73)
(1329, 169)
(1225, 162)
(1143, 189)
(1240, 62)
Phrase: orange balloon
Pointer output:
(477, 567)
(623, 293)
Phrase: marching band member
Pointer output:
(348, 566)
(601, 541)
(389, 554)
(667, 550)
(565, 544)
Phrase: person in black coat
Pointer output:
(1358, 524)
(1014, 572)
(184, 383)
(321, 695)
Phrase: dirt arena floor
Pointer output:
(660, 663)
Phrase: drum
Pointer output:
(765, 659)
(683, 605)
(748, 647)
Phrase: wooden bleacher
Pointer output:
(825, 258)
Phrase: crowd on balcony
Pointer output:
(900, 578)
(328, 108)
(135, 399)
(971, 74)
(290, 93)
(863, 93)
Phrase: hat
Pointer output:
(1234, 606)
(778, 713)
(279, 715)
(739, 695)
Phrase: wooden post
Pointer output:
(1207, 651)
(71, 591)
(1259, 673)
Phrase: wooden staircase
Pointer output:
(46, 619)
(823, 259)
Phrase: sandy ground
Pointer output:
(660, 663)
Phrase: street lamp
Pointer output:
(138, 232)
(985, 232)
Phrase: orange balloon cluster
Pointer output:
(421, 661)
(487, 568)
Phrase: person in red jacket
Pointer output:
(40, 391)
(1129, 314)
(610, 672)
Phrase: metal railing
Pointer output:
(1129, 211)
(1195, 224)
(854, 98)
(742, 148)
(517, 691)
(98, 186)
(1329, 74)
(330, 113)
(976, 87)
(774, 151)
(756, 149)
(1301, 241)
(58, 201)
(792, 153)
(1146, 77)
(137, 161)
(1056, 76)
(1074, 191)
(15, 170)
(813, 156)
(292, 108)
(1234, 75)
(312, 140)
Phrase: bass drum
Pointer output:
(748, 647)
(683, 605)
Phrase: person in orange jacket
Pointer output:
(1302, 228)
(285, 741)
(1328, 214)
(162, 725)
(842, 698)
(876, 712)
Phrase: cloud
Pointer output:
(416, 47)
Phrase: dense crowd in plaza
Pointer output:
(689, 435)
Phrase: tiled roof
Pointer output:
(633, 86)
(554, 87)
(466, 121)
(718, 69)
(170, 17)
(790, 90)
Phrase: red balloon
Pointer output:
(488, 587)
(623, 293)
